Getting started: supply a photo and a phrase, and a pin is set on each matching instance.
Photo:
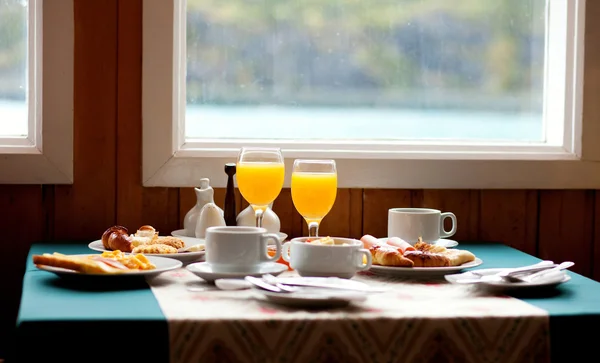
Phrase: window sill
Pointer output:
(181, 171)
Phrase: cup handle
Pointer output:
(266, 237)
(360, 265)
(285, 251)
(452, 231)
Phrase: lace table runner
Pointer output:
(413, 322)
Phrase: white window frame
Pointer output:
(564, 161)
(45, 156)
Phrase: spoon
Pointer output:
(530, 278)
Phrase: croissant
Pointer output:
(388, 256)
(426, 247)
(117, 238)
(427, 259)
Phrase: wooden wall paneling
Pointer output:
(566, 222)
(160, 209)
(510, 217)
(291, 221)
(596, 242)
(337, 222)
(130, 192)
(22, 219)
(463, 203)
(356, 213)
(376, 203)
(85, 209)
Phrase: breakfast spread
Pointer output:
(144, 240)
(112, 262)
(398, 253)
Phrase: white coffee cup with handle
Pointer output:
(412, 223)
(239, 249)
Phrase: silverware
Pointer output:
(525, 269)
(260, 283)
(299, 282)
(531, 277)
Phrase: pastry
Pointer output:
(427, 259)
(82, 265)
(389, 256)
(155, 249)
(174, 242)
(117, 238)
(426, 247)
(458, 257)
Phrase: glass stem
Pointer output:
(313, 229)
(259, 217)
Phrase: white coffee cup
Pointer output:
(412, 223)
(343, 259)
(239, 249)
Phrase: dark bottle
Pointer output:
(229, 208)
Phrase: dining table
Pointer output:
(177, 317)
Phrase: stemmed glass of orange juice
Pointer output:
(314, 188)
(259, 174)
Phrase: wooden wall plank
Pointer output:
(596, 242)
(356, 213)
(463, 203)
(291, 221)
(85, 209)
(566, 227)
(510, 217)
(130, 193)
(376, 203)
(22, 223)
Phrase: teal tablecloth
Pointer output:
(55, 317)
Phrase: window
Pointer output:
(405, 93)
(36, 93)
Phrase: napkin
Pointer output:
(547, 276)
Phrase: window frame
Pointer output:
(568, 160)
(45, 156)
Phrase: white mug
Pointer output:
(412, 223)
(239, 249)
(343, 259)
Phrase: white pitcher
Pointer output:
(270, 219)
(204, 194)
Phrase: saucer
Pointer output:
(314, 298)
(205, 271)
(448, 243)
(180, 233)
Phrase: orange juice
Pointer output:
(260, 182)
(313, 194)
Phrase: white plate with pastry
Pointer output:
(444, 242)
(147, 241)
(423, 271)
(398, 258)
(106, 265)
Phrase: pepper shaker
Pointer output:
(229, 208)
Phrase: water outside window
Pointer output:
(365, 69)
(13, 68)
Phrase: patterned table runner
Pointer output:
(413, 322)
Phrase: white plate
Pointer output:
(205, 271)
(162, 264)
(504, 285)
(422, 271)
(314, 297)
(184, 257)
(180, 233)
(448, 243)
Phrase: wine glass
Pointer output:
(260, 173)
(314, 188)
